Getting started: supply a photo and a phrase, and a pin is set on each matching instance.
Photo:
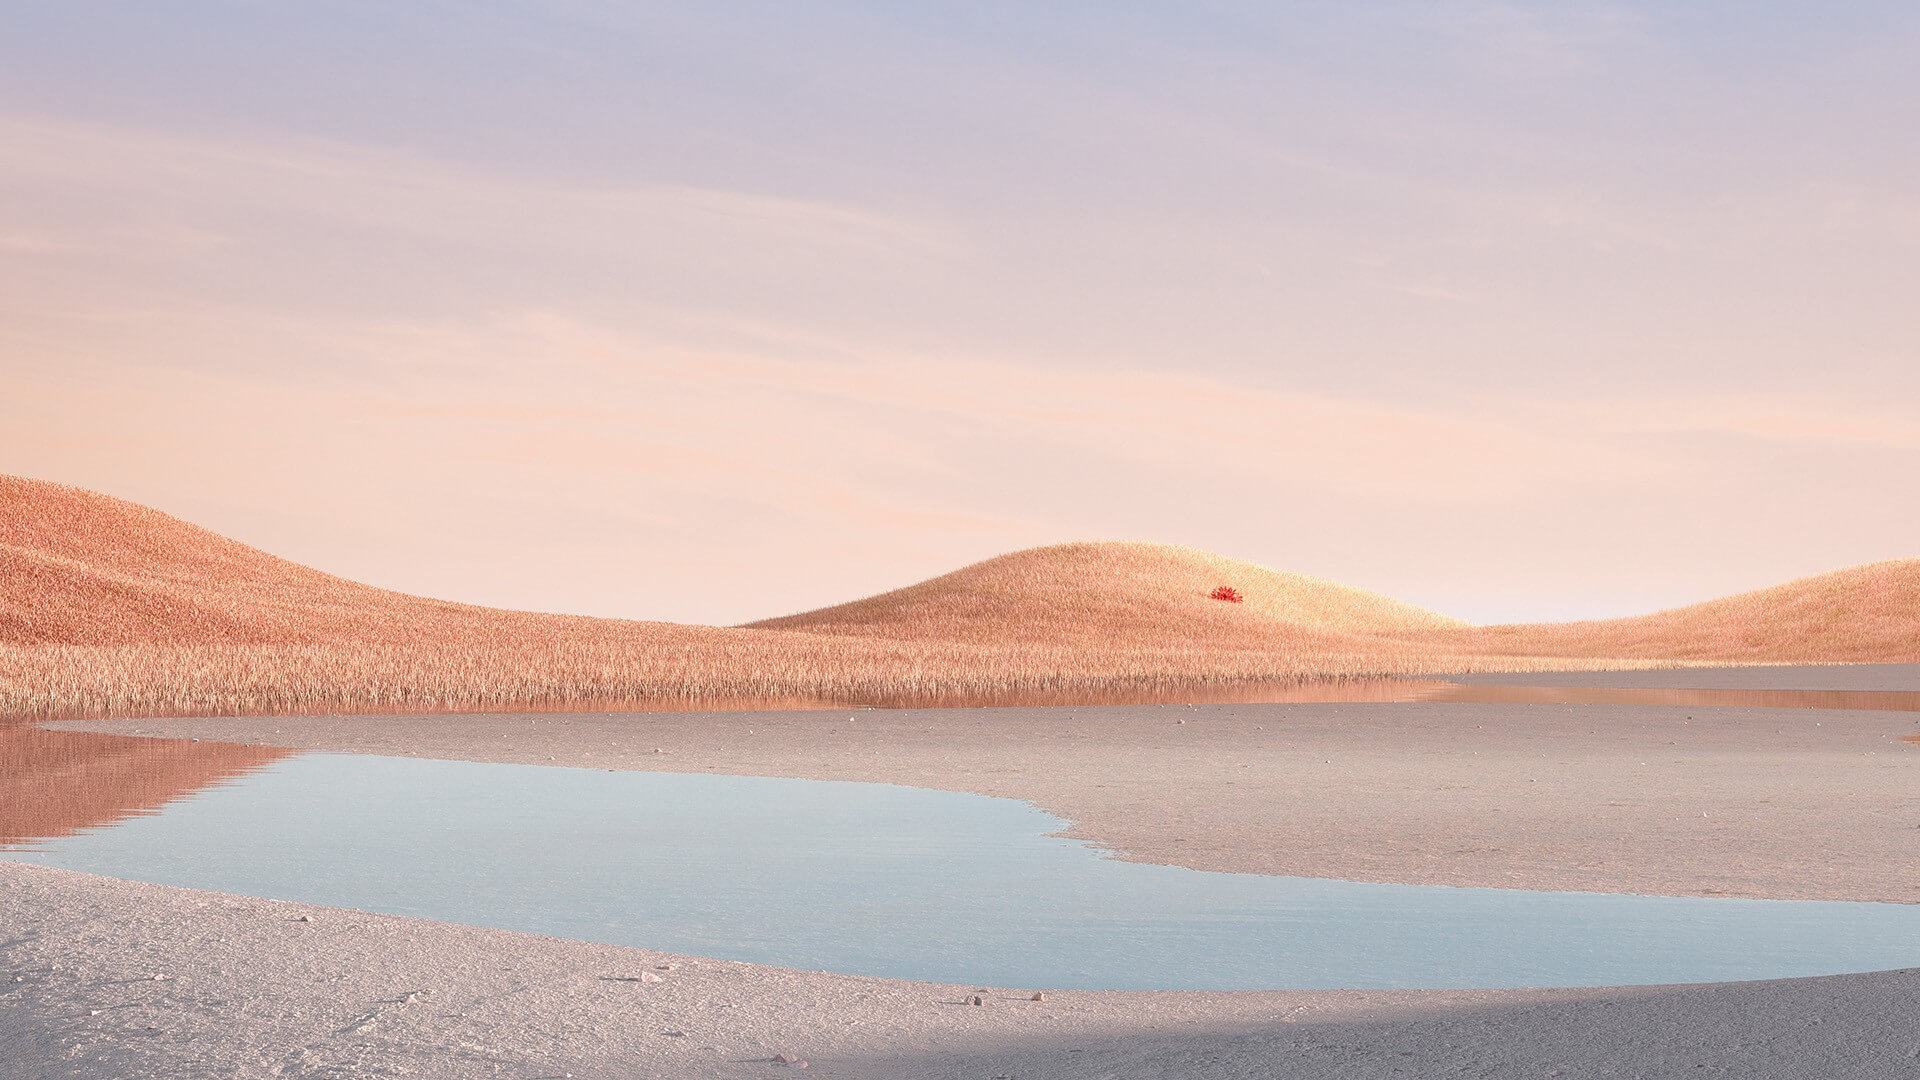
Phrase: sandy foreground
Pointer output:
(1754, 802)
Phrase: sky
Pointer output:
(713, 312)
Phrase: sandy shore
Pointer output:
(1792, 804)
(1623, 798)
(246, 989)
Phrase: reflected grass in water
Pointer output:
(59, 783)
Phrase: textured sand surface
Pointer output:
(246, 989)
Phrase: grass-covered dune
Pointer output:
(108, 606)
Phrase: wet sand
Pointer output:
(1778, 803)
(1759, 802)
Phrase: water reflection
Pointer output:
(61, 783)
(879, 879)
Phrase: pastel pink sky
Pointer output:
(1514, 311)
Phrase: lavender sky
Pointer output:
(715, 311)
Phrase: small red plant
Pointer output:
(1226, 592)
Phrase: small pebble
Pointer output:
(1039, 995)
(976, 1000)
(650, 977)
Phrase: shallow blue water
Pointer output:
(911, 883)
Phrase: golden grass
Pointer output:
(281, 679)
(109, 607)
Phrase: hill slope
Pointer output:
(1128, 594)
(1863, 614)
(78, 567)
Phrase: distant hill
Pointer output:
(1863, 614)
(1128, 594)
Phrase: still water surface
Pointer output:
(911, 883)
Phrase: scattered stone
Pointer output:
(410, 997)
(650, 977)
(163, 978)
(976, 1000)
(791, 1061)
(1039, 995)
(93, 1012)
(304, 918)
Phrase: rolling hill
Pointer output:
(78, 567)
(1863, 614)
(109, 606)
(1133, 593)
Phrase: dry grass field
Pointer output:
(111, 607)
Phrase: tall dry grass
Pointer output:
(283, 679)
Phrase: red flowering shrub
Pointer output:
(1226, 592)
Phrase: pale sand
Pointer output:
(1796, 804)
(250, 991)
